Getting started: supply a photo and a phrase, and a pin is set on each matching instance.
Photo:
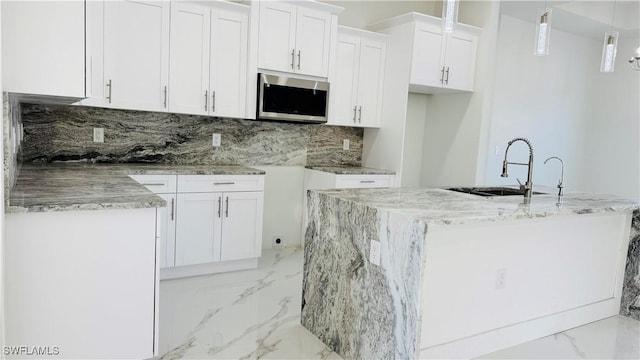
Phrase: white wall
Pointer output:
(567, 108)
(612, 143)
(413, 140)
(282, 204)
(360, 14)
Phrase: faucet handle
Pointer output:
(521, 186)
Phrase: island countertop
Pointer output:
(81, 186)
(444, 207)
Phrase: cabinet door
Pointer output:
(229, 44)
(276, 36)
(189, 59)
(198, 226)
(313, 35)
(136, 56)
(370, 82)
(460, 61)
(166, 230)
(242, 225)
(426, 68)
(43, 47)
(344, 86)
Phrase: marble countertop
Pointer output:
(438, 206)
(351, 170)
(81, 186)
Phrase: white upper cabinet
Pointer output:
(296, 38)
(439, 62)
(357, 79)
(208, 59)
(442, 61)
(136, 54)
(189, 59)
(43, 47)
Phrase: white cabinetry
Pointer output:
(212, 223)
(439, 62)
(136, 54)
(43, 47)
(357, 78)
(165, 187)
(296, 38)
(208, 59)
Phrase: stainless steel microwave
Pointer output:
(292, 99)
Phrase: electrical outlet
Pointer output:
(216, 139)
(98, 135)
(374, 252)
(501, 279)
(345, 144)
(277, 241)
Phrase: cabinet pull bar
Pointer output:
(367, 181)
(164, 103)
(226, 207)
(219, 205)
(354, 114)
(360, 114)
(172, 207)
(213, 101)
(442, 75)
(446, 80)
(298, 59)
(224, 183)
(206, 100)
(109, 96)
(292, 58)
(152, 184)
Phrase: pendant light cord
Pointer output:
(613, 17)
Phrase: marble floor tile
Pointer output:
(255, 314)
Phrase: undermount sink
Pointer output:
(491, 191)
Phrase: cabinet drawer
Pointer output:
(364, 181)
(215, 183)
(159, 184)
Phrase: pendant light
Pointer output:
(543, 32)
(449, 15)
(608, 61)
(635, 60)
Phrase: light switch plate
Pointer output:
(98, 135)
(374, 252)
(216, 139)
(345, 144)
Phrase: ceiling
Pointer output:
(585, 17)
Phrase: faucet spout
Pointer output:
(561, 181)
(528, 186)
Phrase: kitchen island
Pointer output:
(461, 275)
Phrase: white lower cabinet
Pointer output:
(212, 223)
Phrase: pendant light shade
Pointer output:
(449, 15)
(543, 32)
(609, 48)
(634, 61)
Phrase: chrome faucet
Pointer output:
(528, 186)
(561, 181)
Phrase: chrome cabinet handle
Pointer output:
(213, 101)
(354, 114)
(109, 86)
(206, 100)
(165, 97)
(442, 75)
(367, 181)
(172, 208)
(298, 59)
(446, 80)
(152, 184)
(360, 114)
(226, 207)
(219, 205)
(292, 58)
(224, 183)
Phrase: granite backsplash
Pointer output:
(65, 133)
